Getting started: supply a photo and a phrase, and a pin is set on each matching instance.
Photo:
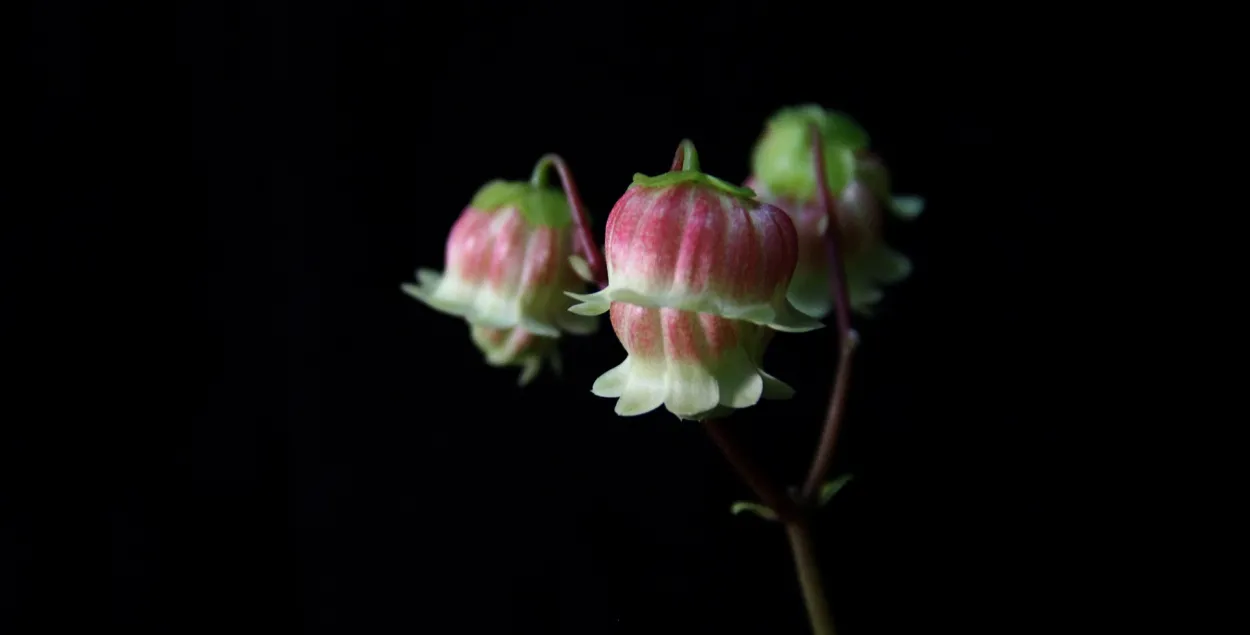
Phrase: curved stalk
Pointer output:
(584, 240)
(686, 159)
(847, 338)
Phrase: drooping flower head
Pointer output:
(784, 174)
(507, 270)
(689, 241)
(697, 277)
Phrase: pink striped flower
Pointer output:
(784, 175)
(688, 241)
(697, 277)
(507, 263)
(697, 365)
(516, 347)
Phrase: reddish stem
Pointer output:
(847, 338)
(793, 513)
(584, 240)
(770, 494)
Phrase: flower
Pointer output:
(697, 277)
(697, 365)
(507, 263)
(516, 347)
(783, 174)
(689, 241)
(510, 258)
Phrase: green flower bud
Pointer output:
(782, 161)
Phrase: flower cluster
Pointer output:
(696, 274)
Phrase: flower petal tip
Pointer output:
(529, 370)
(791, 320)
(774, 388)
(590, 304)
(411, 290)
(540, 328)
(581, 268)
(907, 207)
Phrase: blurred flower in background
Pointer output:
(506, 273)
(784, 174)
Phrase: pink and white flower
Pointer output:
(697, 277)
(697, 365)
(693, 243)
(507, 264)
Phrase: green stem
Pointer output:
(538, 178)
(686, 159)
(809, 578)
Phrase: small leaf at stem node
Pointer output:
(832, 487)
(763, 511)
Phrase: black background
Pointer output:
(302, 448)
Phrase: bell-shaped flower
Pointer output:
(784, 174)
(697, 365)
(689, 241)
(516, 347)
(697, 273)
(507, 262)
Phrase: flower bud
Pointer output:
(507, 263)
(783, 159)
(860, 184)
(516, 347)
(697, 365)
(691, 242)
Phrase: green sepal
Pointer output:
(540, 206)
(692, 176)
(907, 207)
(782, 159)
(763, 511)
(832, 487)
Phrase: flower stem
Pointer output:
(818, 614)
(686, 159)
(847, 338)
(584, 240)
(788, 512)
(770, 494)
(794, 513)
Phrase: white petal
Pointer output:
(691, 390)
(612, 383)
